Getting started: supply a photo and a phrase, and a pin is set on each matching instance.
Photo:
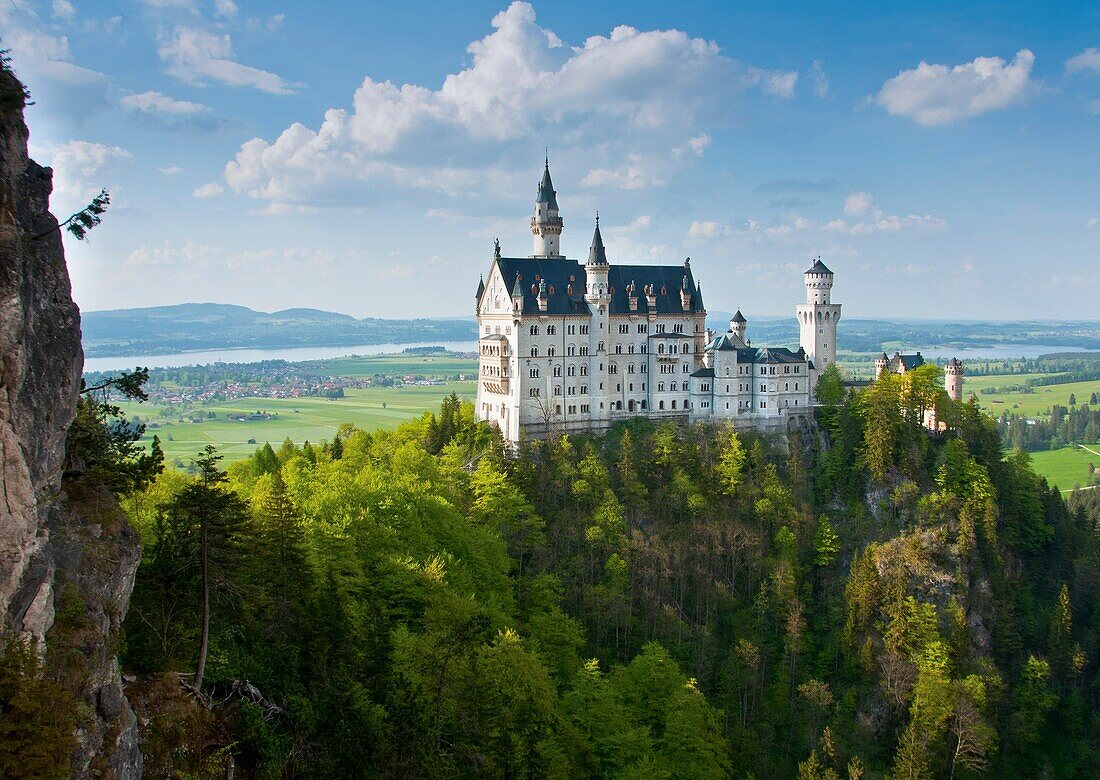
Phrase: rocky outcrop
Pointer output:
(59, 544)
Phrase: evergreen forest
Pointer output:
(860, 598)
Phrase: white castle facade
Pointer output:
(566, 346)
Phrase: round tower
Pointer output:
(953, 379)
(738, 324)
(546, 225)
(818, 317)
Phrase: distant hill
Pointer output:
(194, 326)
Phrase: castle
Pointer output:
(567, 347)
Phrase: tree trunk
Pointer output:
(204, 636)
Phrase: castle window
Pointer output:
(534, 372)
(584, 370)
(584, 391)
(786, 386)
(534, 351)
(534, 330)
(557, 370)
(685, 386)
(643, 328)
(660, 387)
(572, 370)
(645, 368)
(618, 349)
(624, 328)
(660, 328)
(613, 369)
(630, 369)
(673, 403)
(571, 390)
(599, 347)
(571, 350)
(557, 389)
(643, 389)
(618, 388)
(551, 330)
(630, 349)
(661, 405)
(643, 349)
(796, 385)
(572, 329)
(763, 388)
(728, 388)
(584, 349)
(763, 404)
(678, 328)
(643, 406)
(550, 352)
(584, 408)
(533, 392)
(557, 408)
(584, 330)
(797, 369)
(660, 349)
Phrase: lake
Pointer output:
(292, 354)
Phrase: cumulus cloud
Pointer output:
(197, 57)
(695, 146)
(78, 166)
(939, 94)
(642, 89)
(171, 170)
(225, 8)
(857, 203)
(705, 229)
(1086, 61)
(63, 10)
(46, 61)
(209, 190)
(190, 254)
(166, 110)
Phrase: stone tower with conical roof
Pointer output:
(546, 224)
(818, 318)
(953, 379)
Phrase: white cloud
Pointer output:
(49, 56)
(939, 94)
(1088, 60)
(857, 203)
(1093, 222)
(820, 80)
(704, 229)
(191, 255)
(634, 174)
(196, 57)
(626, 98)
(157, 103)
(171, 170)
(696, 146)
(63, 9)
(78, 167)
(225, 8)
(209, 190)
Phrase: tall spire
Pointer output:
(597, 255)
(546, 192)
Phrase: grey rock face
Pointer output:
(44, 540)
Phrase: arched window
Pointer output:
(661, 406)
(643, 406)
(660, 349)
(673, 403)
(584, 370)
(572, 370)
(534, 372)
(534, 351)
(557, 370)
(550, 352)
(630, 369)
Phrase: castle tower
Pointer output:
(598, 296)
(880, 365)
(818, 317)
(738, 324)
(546, 225)
(953, 379)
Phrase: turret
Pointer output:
(880, 365)
(517, 297)
(546, 225)
(738, 324)
(818, 317)
(597, 269)
(953, 379)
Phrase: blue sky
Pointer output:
(942, 158)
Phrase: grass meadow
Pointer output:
(300, 419)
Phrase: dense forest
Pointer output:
(860, 598)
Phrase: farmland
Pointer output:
(1066, 467)
(275, 419)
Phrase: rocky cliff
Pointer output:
(63, 545)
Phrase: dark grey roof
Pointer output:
(738, 317)
(560, 273)
(779, 355)
(597, 255)
(526, 273)
(704, 372)
(954, 363)
(723, 342)
(666, 281)
(819, 268)
(901, 362)
(480, 289)
(546, 192)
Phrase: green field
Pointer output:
(1067, 467)
(1027, 404)
(300, 419)
(392, 365)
